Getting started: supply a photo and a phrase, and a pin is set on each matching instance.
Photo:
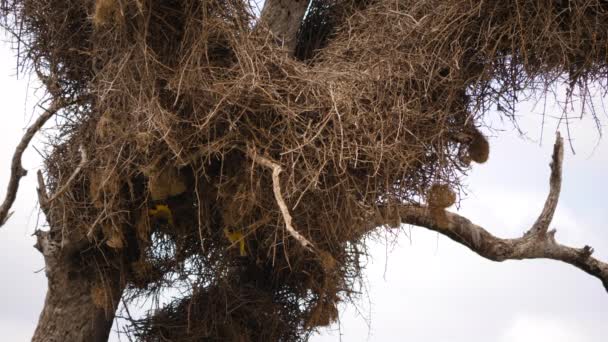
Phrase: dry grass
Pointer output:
(383, 102)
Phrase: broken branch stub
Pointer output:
(555, 183)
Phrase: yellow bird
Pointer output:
(234, 237)
(161, 212)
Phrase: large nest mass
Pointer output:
(182, 107)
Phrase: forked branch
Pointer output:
(537, 242)
(17, 170)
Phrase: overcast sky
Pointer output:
(423, 288)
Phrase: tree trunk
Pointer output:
(80, 302)
(284, 18)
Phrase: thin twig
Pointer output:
(276, 188)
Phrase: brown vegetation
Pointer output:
(479, 148)
(441, 196)
(188, 105)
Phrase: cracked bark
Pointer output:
(70, 312)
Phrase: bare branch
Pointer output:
(555, 183)
(17, 170)
(283, 18)
(535, 244)
(276, 188)
(480, 241)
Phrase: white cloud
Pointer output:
(15, 330)
(530, 328)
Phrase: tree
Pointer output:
(246, 161)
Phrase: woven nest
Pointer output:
(176, 102)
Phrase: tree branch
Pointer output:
(17, 170)
(555, 184)
(276, 188)
(535, 244)
(283, 18)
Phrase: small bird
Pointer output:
(234, 237)
(161, 212)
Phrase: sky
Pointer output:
(420, 286)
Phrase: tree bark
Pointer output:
(80, 302)
(283, 18)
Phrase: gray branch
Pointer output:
(17, 170)
(537, 242)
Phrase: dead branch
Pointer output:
(555, 184)
(17, 170)
(283, 18)
(276, 188)
(535, 244)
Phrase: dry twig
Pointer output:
(276, 188)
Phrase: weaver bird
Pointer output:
(161, 212)
(235, 237)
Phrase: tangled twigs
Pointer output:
(276, 188)
(17, 170)
(535, 244)
(43, 197)
(83, 161)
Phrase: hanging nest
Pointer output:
(175, 99)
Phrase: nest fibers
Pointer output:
(197, 126)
